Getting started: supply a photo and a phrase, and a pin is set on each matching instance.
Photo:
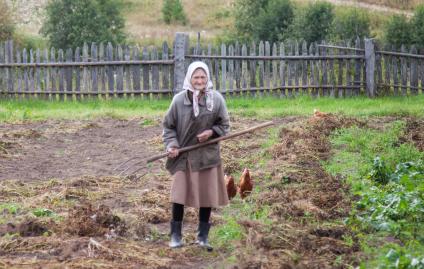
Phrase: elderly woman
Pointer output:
(196, 114)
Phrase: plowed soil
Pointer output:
(96, 218)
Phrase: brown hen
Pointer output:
(231, 187)
(319, 114)
(245, 185)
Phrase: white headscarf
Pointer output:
(209, 86)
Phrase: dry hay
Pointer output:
(28, 227)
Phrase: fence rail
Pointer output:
(257, 69)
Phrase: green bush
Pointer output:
(417, 24)
(398, 31)
(245, 14)
(273, 21)
(351, 23)
(173, 11)
(70, 23)
(314, 23)
(6, 23)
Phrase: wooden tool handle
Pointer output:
(212, 141)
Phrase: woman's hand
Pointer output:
(203, 136)
(173, 152)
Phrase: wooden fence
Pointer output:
(258, 69)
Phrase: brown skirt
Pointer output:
(205, 188)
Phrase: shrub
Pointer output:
(245, 14)
(6, 23)
(398, 31)
(273, 21)
(417, 24)
(315, 22)
(70, 23)
(351, 23)
(173, 11)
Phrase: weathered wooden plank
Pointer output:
(404, 71)
(60, 59)
(2, 60)
(422, 73)
(223, 89)
(155, 71)
(387, 72)
(77, 57)
(102, 69)
(324, 66)
(304, 68)
(19, 73)
(332, 74)
(9, 71)
(379, 69)
(85, 71)
(252, 73)
(209, 63)
(267, 64)
(38, 71)
(283, 74)
(94, 69)
(312, 80)
(370, 67)
(340, 65)
(275, 71)
(317, 72)
(68, 70)
(165, 68)
(119, 70)
(296, 65)
(290, 70)
(46, 73)
(136, 74)
(216, 63)
(414, 73)
(31, 71)
(110, 69)
(261, 69)
(396, 89)
(146, 70)
(231, 71)
(127, 69)
(237, 66)
(53, 70)
(244, 71)
(358, 65)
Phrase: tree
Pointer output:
(398, 31)
(314, 23)
(351, 23)
(173, 11)
(70, 23)
(245, 14)
(6, 23)
(417, 24)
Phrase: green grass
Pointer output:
(12, 110)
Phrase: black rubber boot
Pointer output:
(202, 235)
(176, 236)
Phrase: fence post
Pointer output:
(370, 66)
(180, 47)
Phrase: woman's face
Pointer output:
(199, 80)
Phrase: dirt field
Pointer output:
(88, 217)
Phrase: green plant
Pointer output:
(314, 23)
(43, 212)
(351, 23)
(417, 24)
(272, 22)
(70, 23)
(398, 31)
(173, 11)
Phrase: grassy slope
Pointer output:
(266, 108)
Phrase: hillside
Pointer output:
(144, 22)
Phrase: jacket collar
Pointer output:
(187, 101)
